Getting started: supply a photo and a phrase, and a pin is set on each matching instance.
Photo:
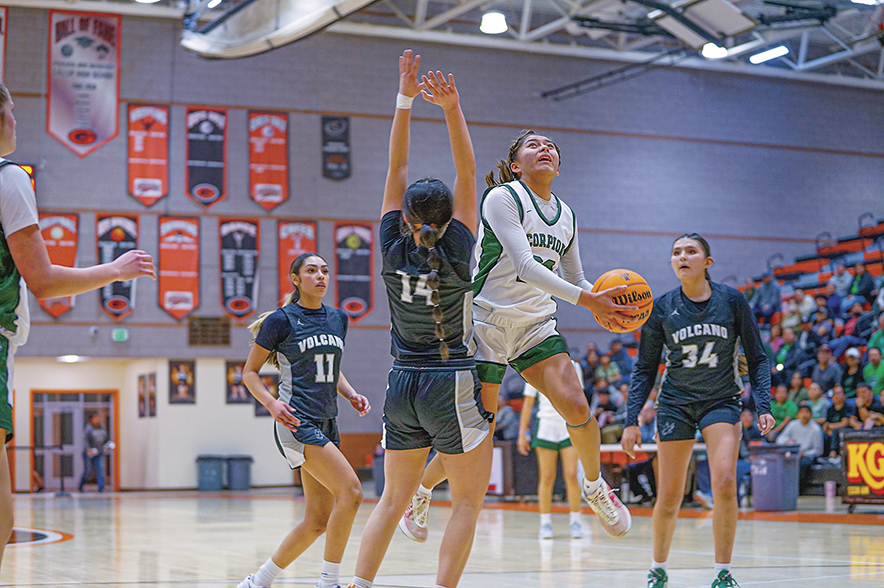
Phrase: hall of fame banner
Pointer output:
(354, 278)
(293, 239)
(239, 265)
(115, 236)
(268, 158)
(148, 152)
(3, 18)
(84, 79)
(178, 270)
(206, 171)
(60, 236)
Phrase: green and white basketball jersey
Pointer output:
(549, 228)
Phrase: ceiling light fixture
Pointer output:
(213, 4)
(71, 358)
(866, 2)
(147, 1)
(713, 51)
(493, 23)
(772, 53)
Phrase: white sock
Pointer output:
(656, 565)
(267, 573)
(330, 574)
(361, 582)
(592, 486)
(425, 492)
(545, 519)
(576, 518)
(719, 567)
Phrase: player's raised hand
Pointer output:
(440, 91)
(408, 68)
(134, 264)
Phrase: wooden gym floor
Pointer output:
(176, 539)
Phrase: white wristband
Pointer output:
(403, 101)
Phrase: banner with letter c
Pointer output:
(84, 79)
(60, 235)
(178, 269)
(115, 236)
(293, 239)
(354, 278)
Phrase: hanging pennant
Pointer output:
(148, 153)
(336, 147)
(178, 272)
(60, 236)
(268, 158)
(354, 277)
(293, 239)
(206, 173)
(84, 79)
(239, 263)
(115, 236)
(2, 43)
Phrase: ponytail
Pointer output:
(505, 171)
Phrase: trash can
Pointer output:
(239, 472)
(774, 477)
(211, 472)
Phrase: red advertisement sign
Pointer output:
(148, 152)
(354, 277)
(178, 269)
(84, 79)
(293, 239)
(60, 235)
(268, 158)
(206, 170)
(115, 236)
(239, 264)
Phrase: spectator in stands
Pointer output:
(873, 373)
(862, 287)
(839, 415)
(878, 305)
(506, 421)
(826, 372)
(787, 359)
(817, 402)
(620, 356)
(807, 435)
(823, 325)
(833, 300)
(869, 411)
(609, 370)
(750, 434)
(841, 279)
(767, 299)
(858, 327)
(876, 339)
(807, 340)
(806, 303)
(797, 391)
(783, 411)
(602, 386)
(589, 364)
(791, 315)
(776, 339)
(853, 373)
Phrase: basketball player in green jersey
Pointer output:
(24, 263)
(702, 326)
(526, 233)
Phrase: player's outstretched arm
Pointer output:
(46, 280)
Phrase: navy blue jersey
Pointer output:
(405, 276)
(308, 344)
(702, 341)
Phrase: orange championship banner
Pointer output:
(148, 152)
(82, 110)
(268, 158)
(862, 453)
(293, 239)
(178, 269)
(60, 235)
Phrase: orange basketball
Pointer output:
(637, 293)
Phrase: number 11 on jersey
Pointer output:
(325, 367)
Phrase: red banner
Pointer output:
(60, 235)
(115, 236)
(206, 170)
(239, 264)
(84, 79)
(293, 239)
(268, 158)
(178, 271)
(148, 153)
(354, 277)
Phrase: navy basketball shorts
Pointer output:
(680, 421)
(291, 444)
(434, 407)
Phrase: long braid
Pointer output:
(428, 237)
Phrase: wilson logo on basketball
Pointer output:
(865, 464)
(631, 298)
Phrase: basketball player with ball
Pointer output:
(702, 325)
(526, 233)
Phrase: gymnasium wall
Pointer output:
(757, 165)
